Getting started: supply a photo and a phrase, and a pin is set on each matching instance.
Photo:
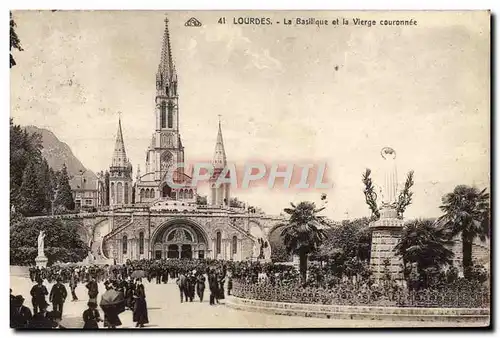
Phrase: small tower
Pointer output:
(120, 173)
(220, 193)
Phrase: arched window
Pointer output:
(163, 114)
(126, 193)
(181, 194)
(235, 245)
(112, 192)
(124, 244)
(141, 243)
(147, 193)
(119, 193)
(218, 243)
(190, 193)
(170, 114)
(142, 194)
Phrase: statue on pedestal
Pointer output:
(41, 244)
(41, 260)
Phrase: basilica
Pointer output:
(148, 218)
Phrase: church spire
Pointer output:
(119, 155)
(219, 161)
(166, 69)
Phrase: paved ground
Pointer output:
(166, 311)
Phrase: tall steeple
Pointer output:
(119, 155)
(120, 173)
(166, 77)
(219, 160)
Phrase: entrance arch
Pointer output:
(180, 238)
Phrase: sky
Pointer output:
(300, 94)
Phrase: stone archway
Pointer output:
(179, 238)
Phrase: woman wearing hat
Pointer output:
(91, 316)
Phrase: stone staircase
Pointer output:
(103, 247)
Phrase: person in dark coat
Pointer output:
(129, 294)
(140, 307)
(200, 286)
(20, 315)
(214, 287)
(182, 284)
(40, 320)
(93, 290)
(220, 289)
(73, 283)
(229, 285)
(38, 293)
(191, 285)
(165, 276)
(91, 316)
(58, 296)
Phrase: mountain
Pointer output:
(58, 153)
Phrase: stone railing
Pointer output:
(459, 297)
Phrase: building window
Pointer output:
(119, 193)
(235, 245)
(126, 193)
(141, 243)
(142, 194)
(218, 243)
(170, 114)
(163, 114)
(88, 202)
(112, 192)
(124, 245)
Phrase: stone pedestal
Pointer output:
(386, 232)
(41, 261)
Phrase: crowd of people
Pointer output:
(124, 290)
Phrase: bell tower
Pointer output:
(166, 146)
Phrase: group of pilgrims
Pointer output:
(124, 290)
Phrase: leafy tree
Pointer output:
(32, 194)
(352, 239)
(14, 41)
(302, 234)
(236, 203)
(467, 213)
(405, 196)
(279, 252)
(64, 195)
(424, 244)
(370, 194)
(62, 242)
(201, 200)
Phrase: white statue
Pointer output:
(389, 190)
(41, 243)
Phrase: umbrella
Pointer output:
(112, 298)
(138, 274)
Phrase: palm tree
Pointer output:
(425, 243)
(467, 212)
(302, 235)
